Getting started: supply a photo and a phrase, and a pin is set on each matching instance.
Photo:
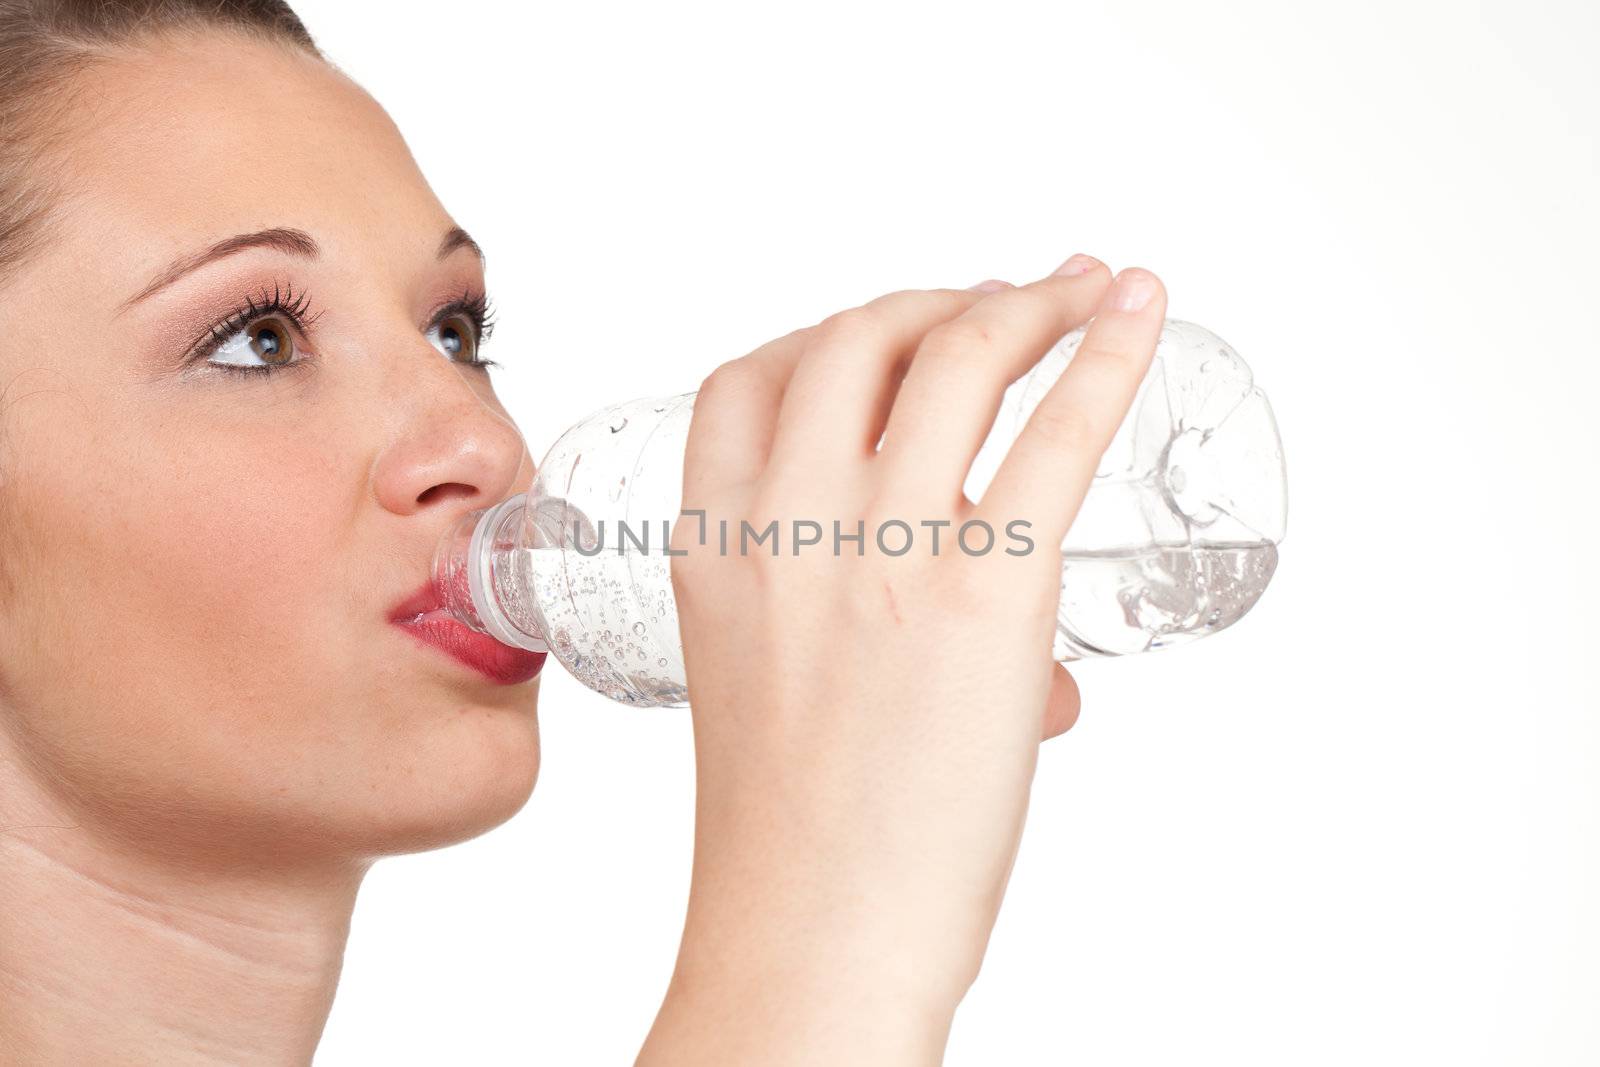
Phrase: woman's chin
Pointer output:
(458, 784)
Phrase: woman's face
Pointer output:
(199, 564)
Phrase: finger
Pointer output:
(834, 408)
(952, 391)
(1061, 709)
(735, 412)
(1045, 475)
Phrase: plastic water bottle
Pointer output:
(1176, 538)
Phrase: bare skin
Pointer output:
(861, 796)
(209, 729)
(208, 726)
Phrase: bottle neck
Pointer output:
(475, 571)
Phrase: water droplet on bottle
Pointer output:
(1183, 580)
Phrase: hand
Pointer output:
(867, 725)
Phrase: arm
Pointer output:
(867, 721)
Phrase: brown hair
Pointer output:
(43, 43)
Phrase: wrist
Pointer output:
(759, 984)
(794, 1013)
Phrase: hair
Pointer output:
(45, 43)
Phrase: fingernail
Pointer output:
(1132, 289)
(1078, 264)
(993, 285)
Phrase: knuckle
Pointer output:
(688, 574)
(753, 368)
(702, 571)
(957, 338)
(685, 535)
(728, 378)
(1065, 427)
(714, 382)
(849, 327)
(916, 303)
(1099, 353)
(889, 301)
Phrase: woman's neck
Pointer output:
(107, 956)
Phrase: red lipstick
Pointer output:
(424, 616)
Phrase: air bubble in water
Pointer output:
(1176, 539)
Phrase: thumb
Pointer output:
(1061, 709)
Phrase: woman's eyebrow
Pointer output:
(288, 241)
(282, 238)
(456, 238)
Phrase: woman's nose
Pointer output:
(454, 449)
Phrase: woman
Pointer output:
(243, 396)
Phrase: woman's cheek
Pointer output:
(262, 550)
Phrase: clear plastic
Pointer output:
(1176, 538)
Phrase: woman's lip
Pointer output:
(500, 663)
(425, 599)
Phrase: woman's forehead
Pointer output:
(196, 141)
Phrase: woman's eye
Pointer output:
(456, 338)
(266, 342)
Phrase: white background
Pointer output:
(1363, 825)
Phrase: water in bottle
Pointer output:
(1176, 538)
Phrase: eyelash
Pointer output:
(294, 307)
